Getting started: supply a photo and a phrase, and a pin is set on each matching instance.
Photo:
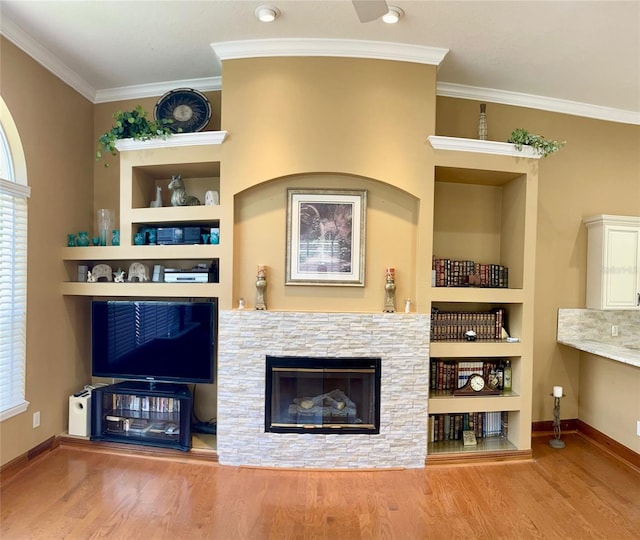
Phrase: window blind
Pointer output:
(13, 288)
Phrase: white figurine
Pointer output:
(118, 276)
(157, 203)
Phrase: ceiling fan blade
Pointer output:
(370, 10)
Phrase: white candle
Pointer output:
(557, 391)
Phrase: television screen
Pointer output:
(153, 340)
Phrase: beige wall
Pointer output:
(329, 123)
(607, 402)
(55, 126)
(320, 115)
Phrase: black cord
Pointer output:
(193, 408)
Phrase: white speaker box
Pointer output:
(80, 415)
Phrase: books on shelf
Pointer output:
(452, 273)
(447, 375)
(452, 325)
(451, 427)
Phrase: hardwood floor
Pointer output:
(71, 493)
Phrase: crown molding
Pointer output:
(349, 48)
(16, 35)
(207, 84)
(537, 102)
(309, 47)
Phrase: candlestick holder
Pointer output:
(390, 291)
(261, 285)
(556, 442)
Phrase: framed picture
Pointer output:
(326, 237)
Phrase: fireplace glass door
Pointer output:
(322, 395)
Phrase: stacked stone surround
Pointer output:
(247, 337)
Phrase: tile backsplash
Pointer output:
(595, 325)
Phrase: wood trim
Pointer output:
(546, 426)
(620, 451)
(195, 454)
(478, 457)
(13, 467)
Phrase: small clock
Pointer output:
(188, 109)
(476, 382)
(476, 386)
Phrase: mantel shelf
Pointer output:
(482, 147)
(172, 141)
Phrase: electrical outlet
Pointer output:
(614, 330)
(36, 419)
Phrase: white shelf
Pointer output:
(172, 141)
(482, 147)
(190, 290)
(175, 214)
(476, 294)
(467, 349)
(140, 253)
(461, 404)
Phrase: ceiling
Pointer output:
(576, 57)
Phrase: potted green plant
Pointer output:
(132, 125)
(544, 147)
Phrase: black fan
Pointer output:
(370, 10)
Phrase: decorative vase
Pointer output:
(95, 240)
(105, 223)
(153, 235)
(71, 240)
(483, 129)
(138, 239)
(115, 237)
(83, 239)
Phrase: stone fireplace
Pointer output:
(400, 341)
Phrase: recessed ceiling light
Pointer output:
(393, 15)
(267, 13)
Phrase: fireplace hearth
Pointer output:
(322, 395)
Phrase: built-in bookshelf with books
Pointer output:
(456, 325)
(483, 425)
(154, 414)
(448, 273)
(447, 375)
(483, 263)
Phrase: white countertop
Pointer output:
(625, 355)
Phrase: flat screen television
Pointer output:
(170, 341)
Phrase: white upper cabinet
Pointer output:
(613, 262)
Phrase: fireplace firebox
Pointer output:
(322, 395)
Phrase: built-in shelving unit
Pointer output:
(145, 166)
(485, 197)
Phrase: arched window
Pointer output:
(14, 193)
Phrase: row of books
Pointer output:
(452, 374)
(452, 325)
(449, 427)
(452, 273)
(144, 403)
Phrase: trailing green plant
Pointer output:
(132, 125)
(521, 137)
